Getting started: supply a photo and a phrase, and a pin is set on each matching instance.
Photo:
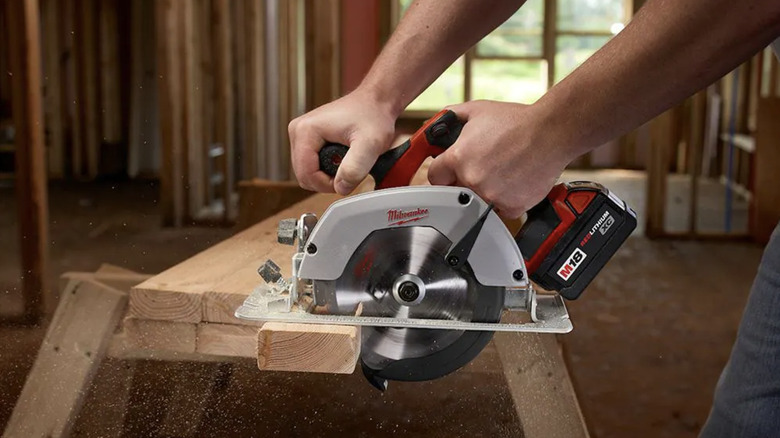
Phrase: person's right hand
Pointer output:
(357, 120)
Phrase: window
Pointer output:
(523, 57)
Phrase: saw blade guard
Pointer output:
(494, 259)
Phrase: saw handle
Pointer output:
(396, 167)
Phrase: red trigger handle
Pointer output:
(396, 167)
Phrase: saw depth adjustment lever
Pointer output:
(396, 167)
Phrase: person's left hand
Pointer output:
(506, 153)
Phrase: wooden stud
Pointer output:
(170, 92)
(766, 204)
(223, 111)
(75, 343)
(204, 20)
(53, 85)
(307, 347)
(663, 140)
(87, 86)
(240, 82)
(541, 384)
(31, 191)
(696, 147)
(227, 340)
(110, 97)
(255, 147)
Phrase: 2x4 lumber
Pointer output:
(31, 192)
(118, 280)
(541, 388)
(309, 348)
(75, 343)
(228, 269)
(170, 101)
(50, 13)
(226, 340)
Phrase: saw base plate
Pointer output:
(550, 311)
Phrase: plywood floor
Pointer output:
(651, 336)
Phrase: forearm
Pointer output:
(431, 35)
(669, 51)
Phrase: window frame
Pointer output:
(550, 34)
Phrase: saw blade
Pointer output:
(402, 273)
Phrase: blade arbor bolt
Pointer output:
(408, 291)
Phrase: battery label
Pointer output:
(571, 264)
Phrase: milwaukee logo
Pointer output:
(400, 217)
(572, 263)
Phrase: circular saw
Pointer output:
(428, 271)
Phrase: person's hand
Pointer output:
(356, 120)
(505, 153)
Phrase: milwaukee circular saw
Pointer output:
(428, 271)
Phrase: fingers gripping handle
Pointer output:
(397, 166)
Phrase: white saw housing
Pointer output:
(450, 210)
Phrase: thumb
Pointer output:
(464, 110)
(441, 171)
(356, 164)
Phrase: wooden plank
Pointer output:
(766, 205)
(259, 199)
(540, 385)
(228, 268)
(75, 342)
(155, 336)
(227, 340)
(170, 99)
(306, 347)
(117, 280)
(223, 111)
(50, 11)
(31, 191)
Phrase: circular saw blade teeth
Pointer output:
(386, 259)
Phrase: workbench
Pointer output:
(186, 314)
